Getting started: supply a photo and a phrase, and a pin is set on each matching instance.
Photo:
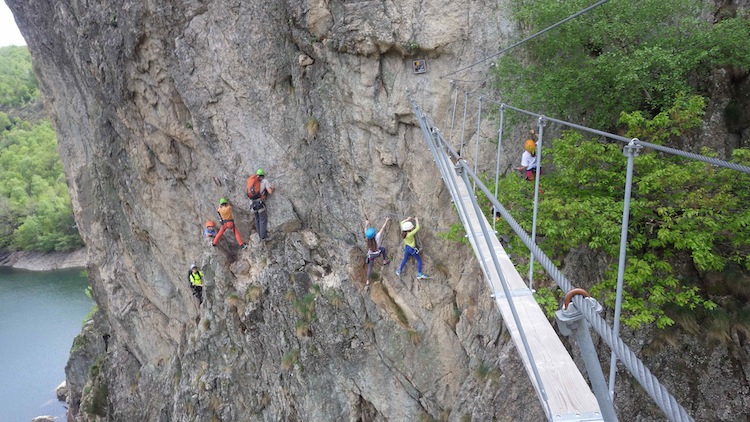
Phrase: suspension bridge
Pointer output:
(561, 387)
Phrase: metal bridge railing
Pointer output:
(442, 150)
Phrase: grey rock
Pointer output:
(163, 107)
(62, 392)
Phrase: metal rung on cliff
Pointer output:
(562, 389)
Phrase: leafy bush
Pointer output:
(35, 209)
(18, 85)
(621, 56)
(681, 211)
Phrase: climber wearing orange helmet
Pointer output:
(227, 223)
(210, 230)
(528, 159)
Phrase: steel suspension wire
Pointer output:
(497, 160)
(573, 16)
(444, 165)
(673, 151)
(666, 402)
(453, 119)
(479, 137)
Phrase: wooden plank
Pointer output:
(568, 394)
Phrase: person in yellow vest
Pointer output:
(227, 223)
(195, 278)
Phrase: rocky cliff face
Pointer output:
(162, 108)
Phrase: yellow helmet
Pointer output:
(530, 146)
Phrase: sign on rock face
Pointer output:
(420, 66)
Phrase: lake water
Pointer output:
(40, 315)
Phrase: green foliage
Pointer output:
(94, 309)
(290, 360)
(18, 85)
(547, 300)
(96, 403)
(305, 309)
(456, 233)
(619, 56)
(681, 211)
(35, 209)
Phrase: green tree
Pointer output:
(621, 56)
(18, 85)
(682, 211)
(34, 203)
(35, 209)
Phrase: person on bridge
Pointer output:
(528, 158)
(195, 279)
(227, 223)
(374, 248)
(409, 229)
(258, 189)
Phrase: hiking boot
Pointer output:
(422, 275)
(398, 273)
(243, 246)
(386, 261)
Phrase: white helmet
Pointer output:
(193, 266)
(407, 226)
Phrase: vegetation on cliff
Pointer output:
(616, 70)
(35, 209)
(622, 56)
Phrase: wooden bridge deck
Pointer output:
(569, 396)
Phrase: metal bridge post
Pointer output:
(476, 150)
(453, 118)
(463, 123)
(631, 151)
(540, 125)
(497, 164)
(570, 320)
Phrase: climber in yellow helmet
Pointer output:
(528, 158)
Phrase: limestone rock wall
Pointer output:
(162, 107)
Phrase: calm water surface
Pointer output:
(40, 314)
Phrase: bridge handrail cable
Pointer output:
(453, 188)
(668, 150)
(666, 402)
